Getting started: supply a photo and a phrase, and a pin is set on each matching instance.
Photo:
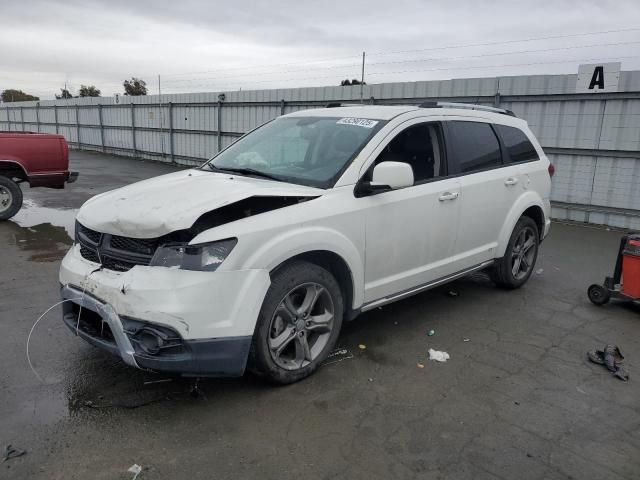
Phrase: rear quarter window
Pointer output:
(474, 146)
(517, 144)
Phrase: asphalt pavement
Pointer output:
(517, 399)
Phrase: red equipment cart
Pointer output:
(625, 283)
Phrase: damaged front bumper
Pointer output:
(167, 320)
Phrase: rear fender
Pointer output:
(526, 200)
(10, 164)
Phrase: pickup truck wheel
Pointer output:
(298, 324)
(515, 267)
(10, 198)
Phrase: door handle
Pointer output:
(510, 181)
(448, 196)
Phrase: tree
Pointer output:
(135, 87)
(64, 94)
(89, 91)
(12, 95)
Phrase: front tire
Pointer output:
(10, 198)
(516, 266)
(298, 324)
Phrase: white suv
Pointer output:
(256, 258)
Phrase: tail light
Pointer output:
(551, 169)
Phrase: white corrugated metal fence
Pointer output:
(594, 139)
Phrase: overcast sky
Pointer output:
(198, 45)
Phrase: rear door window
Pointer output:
(473, 145)
(519, 148)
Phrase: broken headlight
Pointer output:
(205, 257)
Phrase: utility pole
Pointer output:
(159, 89)
(362, 80)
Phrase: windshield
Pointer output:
(311, 151)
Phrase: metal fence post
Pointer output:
(282, 104)
(219, 125)
(77, 127)
(55, 117)
(38, 116)
(22, 117)
(171, 132)
(133, 129)
(101, 127)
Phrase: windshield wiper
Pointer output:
(246, 171)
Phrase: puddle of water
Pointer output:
(32, 215)
(45, 233)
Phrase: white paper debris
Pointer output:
(135, 469)
(438, 356)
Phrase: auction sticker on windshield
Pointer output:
(358, 122)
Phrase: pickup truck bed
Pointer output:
(39, 159)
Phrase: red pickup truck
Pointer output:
(41, 159)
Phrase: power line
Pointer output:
(599, 59)
(446, 47)
(419, 60)
(439, 69)
(551, 37)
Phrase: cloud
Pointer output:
(277, 44)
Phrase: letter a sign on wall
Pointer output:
(598, 78)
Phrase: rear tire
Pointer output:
(10, 198)
(298, 324)
(516, 266)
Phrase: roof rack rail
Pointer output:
(341, 104)
(466, 106)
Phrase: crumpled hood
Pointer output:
(161, 205)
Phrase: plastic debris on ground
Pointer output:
(431, 333)
(11, 452)
(539, 271)
(438, 356)
(337, 355)
(612, 358)
(135, 469)
(466, 339)
(420, 365)
(362, 346)
(163, 380)
(452, 293)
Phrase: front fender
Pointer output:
(286, 245)
(526, 200)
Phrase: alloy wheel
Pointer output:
(523, 253)
(301, 326)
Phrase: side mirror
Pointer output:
(392, 174)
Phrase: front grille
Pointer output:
(137, 245)
(91, 235)
(89, 254)
(114, 252)
(118, 265)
